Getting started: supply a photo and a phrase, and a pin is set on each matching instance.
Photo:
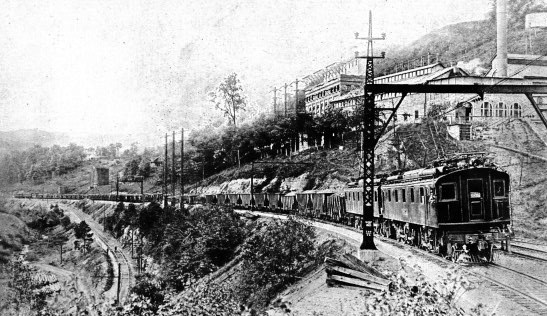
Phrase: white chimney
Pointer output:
(500, 63)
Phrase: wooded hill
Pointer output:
(470, 40)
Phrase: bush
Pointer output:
(82, 230)
(150, 290)
(414, 295)
(273, 257)
(198, 244)
(65, 221)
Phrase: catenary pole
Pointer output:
(368, 142)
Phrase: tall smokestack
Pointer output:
(500, 63)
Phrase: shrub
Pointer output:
(416, 296)
(81, 230)
(150, 290)
(273, 257)
(199, 243)
(65, 221)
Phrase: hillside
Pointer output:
(26, 138)
(463, 42)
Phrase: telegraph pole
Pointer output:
(173, 165)
(275, 101)
(369, 141)
(285, 96)
(165, 170)
(296, 96)
(117, 186)
(181, 169)
(252, 186)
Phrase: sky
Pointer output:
(145, 67)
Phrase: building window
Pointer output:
(486, 109)
(517, 110)
(500, 109)
(416, 114)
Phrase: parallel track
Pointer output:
(528, 252)
(126, 268)
(531, 294)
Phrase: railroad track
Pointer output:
(528, 252)
(126, 267)
(521, 288)
(529, 241)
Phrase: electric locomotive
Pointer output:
(459, 207)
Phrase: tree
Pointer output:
(274, 256)
(229, 98)
(82, 230)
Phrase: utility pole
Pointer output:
(285, 96)
(117, 186)
(165, 170)
(132, 243)
(119, 282)
(173, 165)
(275, 101)
(252, 186)
(369, 141)
(181, 169)
(296, 96)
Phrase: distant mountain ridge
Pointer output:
(25, 138)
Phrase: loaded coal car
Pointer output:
(274, 201)
(336, 207)
(289, 203)
(313, 203)
(459, 207)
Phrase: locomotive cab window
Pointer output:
(375, 196)
(389, 195)
(403, 195)
(412, 198)
(422, 195)
(499, 188)
(448, 192)
(396, 193)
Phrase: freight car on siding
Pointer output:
(458, 208)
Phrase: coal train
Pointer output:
(458, 207)
(131, 198)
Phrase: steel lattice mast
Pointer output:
(369, 141)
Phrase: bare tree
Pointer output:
(228, 97)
